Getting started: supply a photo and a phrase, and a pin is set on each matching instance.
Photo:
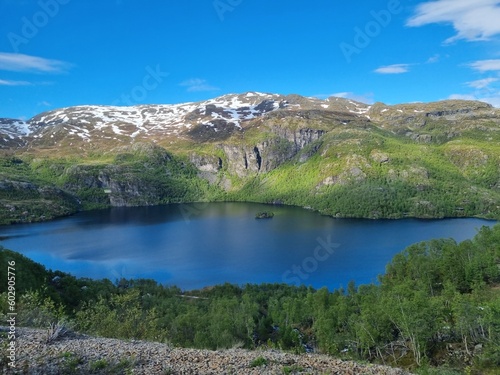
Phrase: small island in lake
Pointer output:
(264, 215)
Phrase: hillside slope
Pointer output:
(338, 156)
(81, 354)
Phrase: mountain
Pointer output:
(13, 133)
(209, 120)
(336, 155)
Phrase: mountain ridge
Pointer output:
(223, 113)
(338, 156)
(160, 119)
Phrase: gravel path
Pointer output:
(81, 354)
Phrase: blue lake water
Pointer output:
(197, 245)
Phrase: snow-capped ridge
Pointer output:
(89, 122)
(212, 119)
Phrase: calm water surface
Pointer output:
(196, 245)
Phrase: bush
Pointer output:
(259, 362)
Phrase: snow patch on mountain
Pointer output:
(149, 120)
(227, 113)
(14, 131)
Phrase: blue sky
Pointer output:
(59, 53)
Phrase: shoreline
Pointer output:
(307, 208)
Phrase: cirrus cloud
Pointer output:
(198, 85)
(18, 62)
(481, 83)
(6, 82)
(393, 69)
(472, 20)
(493, 98)
(486, 65)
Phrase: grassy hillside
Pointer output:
(415, 160)
(37, 188)
(377, 174)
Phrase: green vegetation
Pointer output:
(34, 189)
(98, 365)
(287, 370)
(258, 362)
(74, 364)
(264, 215)
(71, 363)
(431, 168)
(369, 173)
(436, 309)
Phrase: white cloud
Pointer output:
(486, 89)
(393, 69)
(364, 98)
(481, 83)
(344, 94)
(462, 97)
(4, 82)
(197, 85)
(486, 65)
(367, 98)
(434, 59)
(493, 98)
(472, 20)
(17, 62)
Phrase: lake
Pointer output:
(197, 245)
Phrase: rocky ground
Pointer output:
(80, 354)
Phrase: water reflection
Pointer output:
(204, 244)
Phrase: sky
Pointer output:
(60, 53)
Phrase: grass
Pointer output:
(71, 362)
(294, 369)
(100, 364)
(259, 362)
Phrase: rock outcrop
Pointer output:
(24, 202)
